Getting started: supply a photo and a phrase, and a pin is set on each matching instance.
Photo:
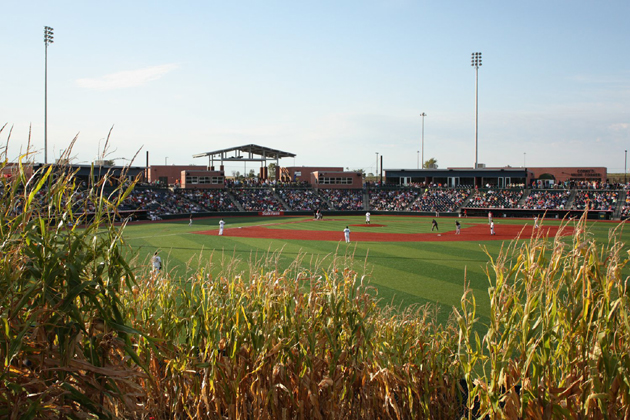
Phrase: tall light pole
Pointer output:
(423, 115)
(625, 168)
(376, 170)
(476, 63)
(418, 159)
(48, 39)
(524, 155)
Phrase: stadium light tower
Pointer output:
(476, 63)
(423, 115)
(48, 39)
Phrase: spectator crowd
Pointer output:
(596, 200)
(546, 199)
(440, 200)
(496, 199)
(301, 199)
(392, 200)
(155, 202)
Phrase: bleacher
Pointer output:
(440, 200)
(160, 203)
(343, 199)
(495, 199)
(596, 200)
(392, 200)
(546, 199)
(301, 199)
(257, 199)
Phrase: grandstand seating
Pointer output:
(495, 199)
(596, 200)
(343, 199)
(546, 199)
(392, 200)
(257, 199)
(440, 200)
(298, 199)
(158, 202)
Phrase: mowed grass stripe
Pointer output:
(434, 289)
(436, 277)
(427, 259)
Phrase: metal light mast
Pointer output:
(48, 39)
(476, 63)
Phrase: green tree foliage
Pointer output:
(430, 164)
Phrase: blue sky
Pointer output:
(334, 82)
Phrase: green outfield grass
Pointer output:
(404, 273)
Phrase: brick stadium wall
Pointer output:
(306, 171)
(572, 173)
(357, 179)
(172, 172)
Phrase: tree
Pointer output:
(271, 168)
(362, 171)
(430, 164)
(104, 162)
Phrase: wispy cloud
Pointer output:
(127, 79)
(620, 127)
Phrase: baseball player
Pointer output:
(157, 262)
(367, 218)
(346, 234)
(221, 226)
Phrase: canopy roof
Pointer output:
(246, 153)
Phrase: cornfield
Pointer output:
(89, 333)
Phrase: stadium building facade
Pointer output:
(505, 177)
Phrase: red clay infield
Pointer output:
(477, 232)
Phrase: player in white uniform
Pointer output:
(221, 226)
(346, 233)
(157, 262)
(536, 222)
(367, 218)
(492, 228)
